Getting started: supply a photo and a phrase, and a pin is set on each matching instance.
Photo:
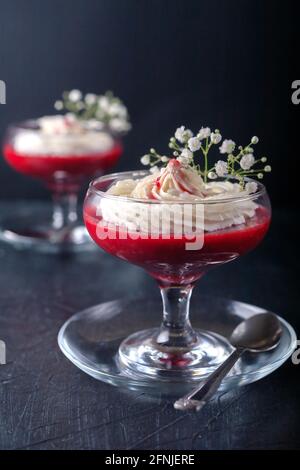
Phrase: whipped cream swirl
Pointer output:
(61, 135)
(173, 183)
(170, 186)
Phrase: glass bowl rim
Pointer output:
(92, 189)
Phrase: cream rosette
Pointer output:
(181, 203)
(61, 135)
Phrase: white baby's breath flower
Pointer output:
(227, 146)
(58, 105)
(221, 168)
(251, 187)
(247, 161)
(215, 137)
(187, 154)
(104, 103)
(145, 160)
(117, 109)
(119, 125)
(75, 95)
(264, 159)
(268, 168)
(204, 133)
(185, 157)
(188, 134)
(212, 175)
(164, 159)
(182, 134)
(254, 140)
(184, 161)
(154, 169)
(90, 98)
(194, 144)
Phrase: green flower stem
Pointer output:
(156, 160)
(175, 146)
(235, 159)
(249, 172)
(205, 151)
(241, 153)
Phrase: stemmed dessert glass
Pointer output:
(176, 259)
(63, 173)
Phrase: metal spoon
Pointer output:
(259, 333)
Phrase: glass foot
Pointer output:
(100, 341)
(29, 227)
(142, 355)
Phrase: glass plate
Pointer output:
(91, 338)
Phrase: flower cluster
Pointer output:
(239, 163)
(98, 111)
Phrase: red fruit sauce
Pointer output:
(167, 259)
(44, 166)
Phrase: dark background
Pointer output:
(222, 63)
(227, 64)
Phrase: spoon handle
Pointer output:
(206, 389)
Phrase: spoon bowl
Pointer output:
(259, 333)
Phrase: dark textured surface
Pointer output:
(227, 64)
(46, 403)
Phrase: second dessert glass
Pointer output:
(176, 258)
(62, 150)
(63, 161)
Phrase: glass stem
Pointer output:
(176, 333)
(64, 210)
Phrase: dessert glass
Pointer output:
(176, 259)
(62, 162)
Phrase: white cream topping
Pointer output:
(61, 135)
(172, 184)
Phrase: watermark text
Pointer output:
(183, 222)
(296, 354)
(2, 352)
(296, 94)
(2, 92)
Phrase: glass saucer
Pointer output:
(28, 226)
(91, 339)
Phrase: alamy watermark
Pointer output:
(296, 354)
(2, 92)
(296, 94)
(152, 221)
(2, 352)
